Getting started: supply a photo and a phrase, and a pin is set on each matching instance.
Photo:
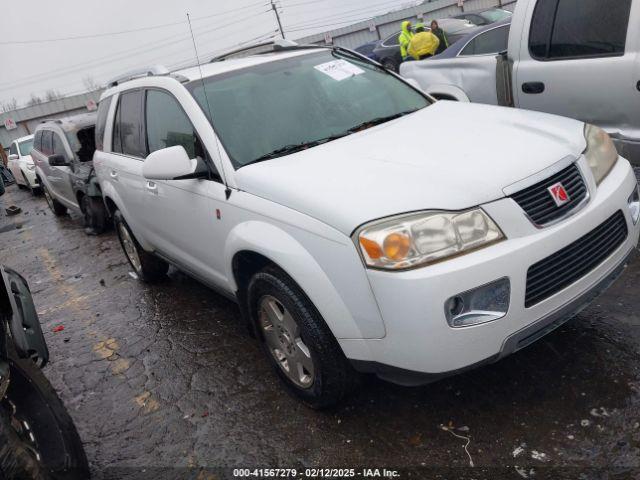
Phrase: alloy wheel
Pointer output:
(282, 336)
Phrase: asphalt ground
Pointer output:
(163, 381)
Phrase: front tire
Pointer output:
(297, 341)
(147, 266)
(37, 436)
(56, 207)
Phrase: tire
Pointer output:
(95, 215)
(147, 266)
(301, 348)
(56, 207)
(56, 438)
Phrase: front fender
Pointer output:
(354, 315)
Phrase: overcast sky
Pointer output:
(35, 58)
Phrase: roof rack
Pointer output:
(151, 71)
(256, 49)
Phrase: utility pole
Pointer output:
(275, 10)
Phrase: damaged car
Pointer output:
(63, 154)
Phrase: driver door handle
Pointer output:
(533, 87)
(152, 187)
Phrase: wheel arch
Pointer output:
(252, 245)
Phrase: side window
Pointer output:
(13, 149)
(58, 145)
(579, 28)
(168, 125)
(47, 140)
(392, 40)
(492, 41)
(128, 125)
(37, 141)
(101, 122)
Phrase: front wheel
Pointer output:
(38, 439)
(297, 341)
(147, 266)
(56, 207)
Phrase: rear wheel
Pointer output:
(95, 215)
(297, 341)
(147, 266)
(56, 207)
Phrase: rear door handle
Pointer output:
(533, 87)
(152, 187)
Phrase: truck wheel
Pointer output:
(95, 215)
(37, 436)
(56, 207)
(297, 341)
(147, 266)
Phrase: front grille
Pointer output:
(538, 203)
(574, 261)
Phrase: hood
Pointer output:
(448, 156)
(405, 26)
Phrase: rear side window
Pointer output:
(101, 122)
(492, 41)
(127, 134)
(167, 124)
(13, 149)
(579, 28)
(37, 141)
(47, 142)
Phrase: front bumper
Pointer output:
(420, 346)
(31, 177)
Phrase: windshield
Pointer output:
(25, 147)
(268, 108)
(495, 15)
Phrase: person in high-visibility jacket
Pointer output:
(405, 38)
(423, 44)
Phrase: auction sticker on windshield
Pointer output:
(339, 69)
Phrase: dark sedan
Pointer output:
(485, 17)
(487, 40)
(387, 51)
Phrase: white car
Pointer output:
(21, 164)
(360, 225)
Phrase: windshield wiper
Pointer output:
(378, 121)
(295, 147)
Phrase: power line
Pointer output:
(172, 40)
(133, 30)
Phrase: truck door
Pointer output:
(578, 58)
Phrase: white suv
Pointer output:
(360, 225)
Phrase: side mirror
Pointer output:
(168, 164)
(14, 156)
(58, 160)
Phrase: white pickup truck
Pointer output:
(576, 58)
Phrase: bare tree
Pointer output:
(90, 84)
(9, 105)
(34, 100)
(51, 95)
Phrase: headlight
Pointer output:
(601, 153)
(422, 238)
